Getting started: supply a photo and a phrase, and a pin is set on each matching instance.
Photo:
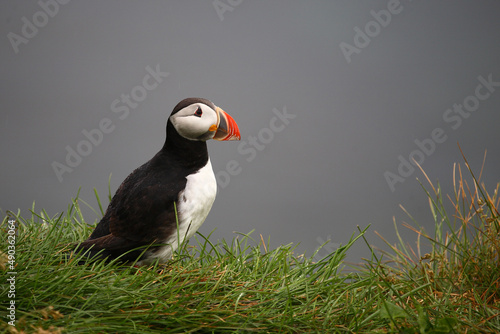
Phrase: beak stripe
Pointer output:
(227, 129)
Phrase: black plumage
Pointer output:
(141, 212)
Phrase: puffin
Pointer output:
(166, 200)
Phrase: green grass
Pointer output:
(243, 286)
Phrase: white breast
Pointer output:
(193, 205)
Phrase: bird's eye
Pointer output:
(198, 112)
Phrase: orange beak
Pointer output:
(227, 129)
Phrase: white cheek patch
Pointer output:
(187, 130)
(193, 127)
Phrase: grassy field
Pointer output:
(243, 286)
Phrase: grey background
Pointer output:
(319, 177)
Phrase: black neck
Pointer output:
(189, 153)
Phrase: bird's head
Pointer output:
(200, 120)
